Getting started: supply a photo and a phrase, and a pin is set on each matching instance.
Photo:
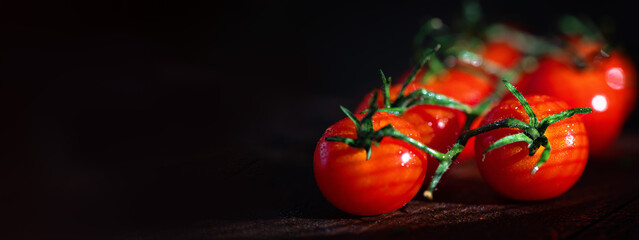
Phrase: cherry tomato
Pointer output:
(464, 85)
(384, 183)
(508, 169)
(439, 128)
(501, 54)
(606, 84)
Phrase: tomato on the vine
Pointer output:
(440, 126)
(605, 83)
(384, 183)
(507, 169)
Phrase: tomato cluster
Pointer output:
(530, 143)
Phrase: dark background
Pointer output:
(119, 116)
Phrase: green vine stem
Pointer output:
(366, 136)
(427, 56)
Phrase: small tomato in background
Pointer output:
(607, 84)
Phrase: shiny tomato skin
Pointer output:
(607, 85)
(439, 128)
(384, 183)
(508, 169)
(468, 153)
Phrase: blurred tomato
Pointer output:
(606, 83)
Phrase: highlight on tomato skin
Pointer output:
(508, 169)
(384, 183)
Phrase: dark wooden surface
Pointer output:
(282, 201)
(198, 120)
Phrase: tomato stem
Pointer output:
(423, 96)
(386, 89)
(366, 136)
(396, 111)
(392, 132)
(532, 118)
(427, 55)
(544, 156)
(519, 137)
(546, 122)
(531, 132)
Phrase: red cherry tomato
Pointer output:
(462, 84)
(384, 183)
(438, 127)
(501, 54)
(606, 84)
(508, 169)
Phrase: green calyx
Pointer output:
(366, 135)
(417, 97)
(533, 131)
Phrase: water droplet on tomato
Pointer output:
(405, 159)
(570, 140)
